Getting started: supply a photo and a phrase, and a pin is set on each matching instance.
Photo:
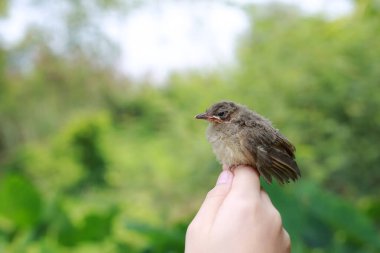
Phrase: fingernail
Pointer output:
(224, 177)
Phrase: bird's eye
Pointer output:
(221, 114)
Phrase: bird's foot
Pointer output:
(232, 167)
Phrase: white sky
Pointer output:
(169, 35)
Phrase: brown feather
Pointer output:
(241, 136)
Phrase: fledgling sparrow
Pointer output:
(240, 136)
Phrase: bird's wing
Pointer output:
(273, 153)
(281, 142)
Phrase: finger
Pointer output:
(246, 181)
(215, 198)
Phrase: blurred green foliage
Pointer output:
(93, 162)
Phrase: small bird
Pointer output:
(240, 136)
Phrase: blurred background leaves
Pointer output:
(92, 161)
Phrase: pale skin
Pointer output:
(237, 216)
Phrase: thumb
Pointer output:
(215, 198)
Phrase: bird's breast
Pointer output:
(227, 147)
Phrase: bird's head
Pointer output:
(219, 112)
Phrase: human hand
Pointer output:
(237, 216)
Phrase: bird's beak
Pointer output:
(202, 116)
(209, 118)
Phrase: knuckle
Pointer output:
(191, 229)
(276, 217)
